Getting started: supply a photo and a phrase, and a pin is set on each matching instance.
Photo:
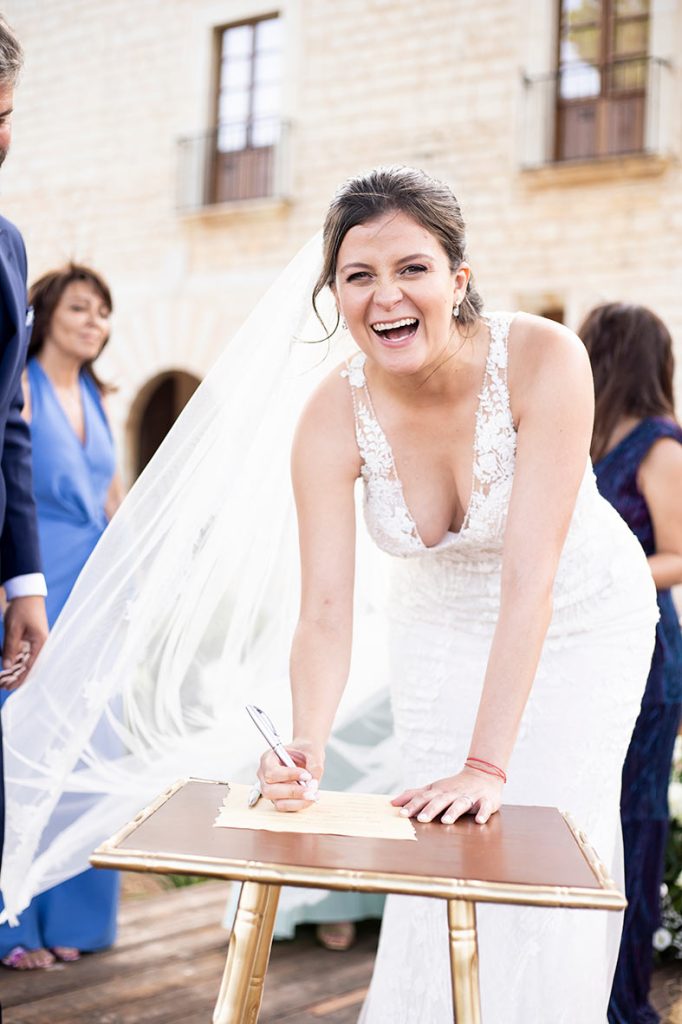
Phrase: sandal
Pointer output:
(337, 936)
(66, 954)
(22, 959)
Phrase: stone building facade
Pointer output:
(571, 185)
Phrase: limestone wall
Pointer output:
(110, 86)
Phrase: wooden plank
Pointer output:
(191, 919)
(185, 900)
(167, 965)
(354, 998)
(20, 987)
(346, 1015)
(118, 1000)
(316, 975)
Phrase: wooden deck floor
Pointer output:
(167, 964)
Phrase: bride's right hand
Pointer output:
(281, 784)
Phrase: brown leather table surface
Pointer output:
(519, 845)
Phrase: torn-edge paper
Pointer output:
(361, 815)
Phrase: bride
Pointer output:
(520, 610)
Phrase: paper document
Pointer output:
(337, 814)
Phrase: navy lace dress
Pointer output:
(644, 803)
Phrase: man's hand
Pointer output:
(25, 623)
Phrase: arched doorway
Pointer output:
(155, 410)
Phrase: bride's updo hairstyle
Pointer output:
(431, 203)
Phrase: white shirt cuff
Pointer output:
(32, 584)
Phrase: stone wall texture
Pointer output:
(111, 86)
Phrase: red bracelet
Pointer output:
(480, 765)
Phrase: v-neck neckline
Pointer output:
(82, 444)
(449, 535)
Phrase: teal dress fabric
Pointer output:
(71, 484)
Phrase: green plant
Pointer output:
(178, 881)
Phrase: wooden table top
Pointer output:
(529, 855)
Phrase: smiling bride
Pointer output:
(521, 607)
(520, 610)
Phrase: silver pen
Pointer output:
(264, 725)
(255, 794)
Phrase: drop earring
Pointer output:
(455, 311)
(344, 325)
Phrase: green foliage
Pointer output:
(178, 881)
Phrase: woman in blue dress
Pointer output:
(637, 455)
(77, 491)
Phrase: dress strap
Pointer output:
(494, 396)
(495, 436)
(499, 325)
(362, 403)
(375, 451)
(645, 435)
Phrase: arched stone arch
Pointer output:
(153, 412)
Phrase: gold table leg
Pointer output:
(241, 989)
(464, 961)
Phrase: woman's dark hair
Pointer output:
(397, 190)
(44, 295)
(631, 353)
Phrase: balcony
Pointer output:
(234, 162)
(586, 112)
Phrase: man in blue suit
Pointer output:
(25, 619)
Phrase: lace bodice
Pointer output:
(442, 606)
(389, 520)
(459, 578)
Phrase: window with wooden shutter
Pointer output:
(602, 78)
(248, 110)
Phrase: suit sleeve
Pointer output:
(19, 545)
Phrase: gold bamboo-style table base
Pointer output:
(241, 991)
(532, 856)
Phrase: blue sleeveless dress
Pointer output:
(644, 802)
(71, 481)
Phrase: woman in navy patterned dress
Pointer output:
(637, 455)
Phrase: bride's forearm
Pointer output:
(512, 664)
(319, 665)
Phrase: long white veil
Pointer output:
(184, 613)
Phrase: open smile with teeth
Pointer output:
(396, 330)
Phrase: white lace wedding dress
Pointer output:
(537, 966)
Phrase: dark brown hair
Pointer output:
(397, 190)
(44, 295)
(11, 55)
(631, 353)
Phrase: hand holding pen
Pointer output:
(282, 775)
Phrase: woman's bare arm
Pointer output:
(325, 465)
(552, 399)
(26, 389)
(116, 492)
(115, 495)
(660, 481)
(554, 410)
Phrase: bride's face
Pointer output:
(396, 290)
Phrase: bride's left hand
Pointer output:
(468, 792)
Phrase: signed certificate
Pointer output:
(338, 814)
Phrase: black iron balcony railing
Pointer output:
(234, 161)
(588, 111)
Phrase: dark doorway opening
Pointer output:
(156, 409)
